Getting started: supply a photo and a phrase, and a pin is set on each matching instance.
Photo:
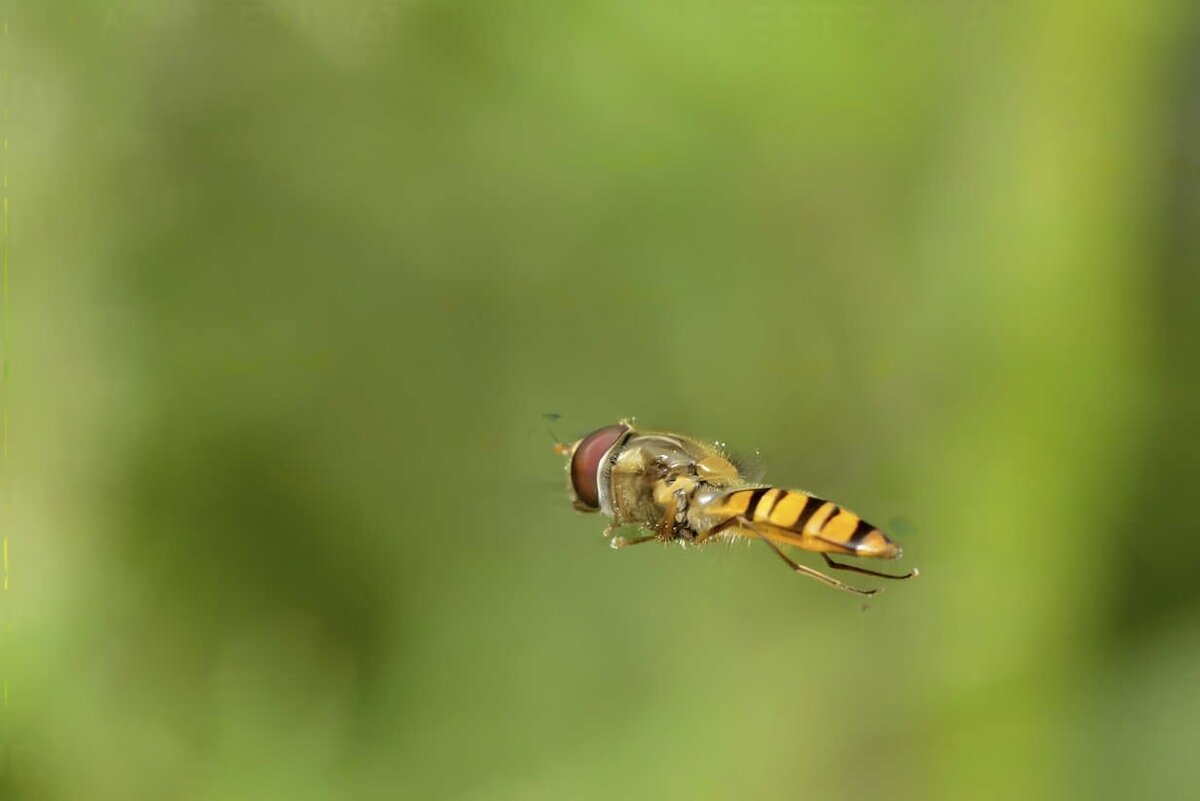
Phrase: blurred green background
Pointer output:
(293, 283)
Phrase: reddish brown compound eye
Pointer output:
(585, 465)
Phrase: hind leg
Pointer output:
(743, 523)
(818, 575)
(866, 572)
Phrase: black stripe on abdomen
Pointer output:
(860, 533)
(810, 506)
(755, 497)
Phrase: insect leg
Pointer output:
(798, 568)
(865, 571)
(621, 542)
(818, 575)
(664, 533)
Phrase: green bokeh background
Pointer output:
(293, 283)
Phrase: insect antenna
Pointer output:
(560, 447)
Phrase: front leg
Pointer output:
(621, 542)
(672, 526)
(664, 532)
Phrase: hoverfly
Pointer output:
(682, 490)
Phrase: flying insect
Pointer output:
(680, 489)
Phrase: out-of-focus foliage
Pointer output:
(293, 283)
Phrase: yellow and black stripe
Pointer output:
(805, 521)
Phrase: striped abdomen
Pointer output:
(800, 519)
